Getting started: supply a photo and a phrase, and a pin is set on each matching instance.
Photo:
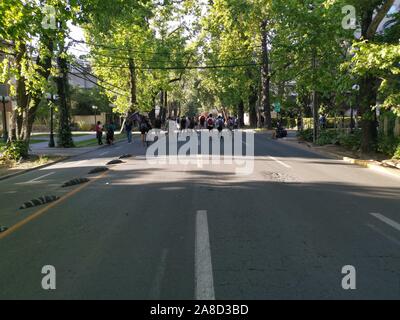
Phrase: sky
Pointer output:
(77, 49)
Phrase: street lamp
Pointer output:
(51, 98)
(4, 100)
(95, 108)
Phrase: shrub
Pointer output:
(16, 150)
(397, 153)
(388, 145)
(350, 140)
(328, 137)
(306, 135)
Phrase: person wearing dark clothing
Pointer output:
(202, 122)
(110, 133)
(183, 123)
(128, 129)
(192, 124)
(99, 133)
(157, 123)
(145, 127)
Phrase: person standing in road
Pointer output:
(128, 129)
(183, 123)
(158, 123)
(110, 133)
(210, 122)
(99, 133)
(145, 127)
(202, 122)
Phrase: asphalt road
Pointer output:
(202, 231)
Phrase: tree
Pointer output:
(371, 15)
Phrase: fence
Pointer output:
(389, 124)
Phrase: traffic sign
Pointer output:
(277, 107)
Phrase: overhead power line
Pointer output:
(97, 84)
(182, 67)
(83, 69)
(157, 61)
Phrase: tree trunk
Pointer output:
(241, 113)
(65, 134)
(265, 76)
(132, 85)
(368, 97)
(253, 107)
(22, 96)
(371, 18)
(44, 64)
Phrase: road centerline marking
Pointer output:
(204, 282)
(386, 220)
(43, 210)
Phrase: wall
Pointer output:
(89, 120)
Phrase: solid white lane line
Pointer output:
(204, 282)
(156, 289)
(386, 220)
(41, 177)
(79, 163)
(383, 234)
(280, 162)
(104, 153)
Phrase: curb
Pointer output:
(368, 164)
(373, 165)
(32, 169)
(50, 164)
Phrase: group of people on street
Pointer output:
(209, 122)
(110, 133)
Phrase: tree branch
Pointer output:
(381, 14)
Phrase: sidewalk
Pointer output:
(45, 156)
(43, 147)
(387, 166)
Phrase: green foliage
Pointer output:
(16, 150)
(388, 145)
(306, 135)
(397, 153)
(82, 101)
(328, 137)
(351, 140)
(65, 137)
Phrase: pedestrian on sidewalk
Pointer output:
(128, 129)
(99, 133)
(110, 133)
